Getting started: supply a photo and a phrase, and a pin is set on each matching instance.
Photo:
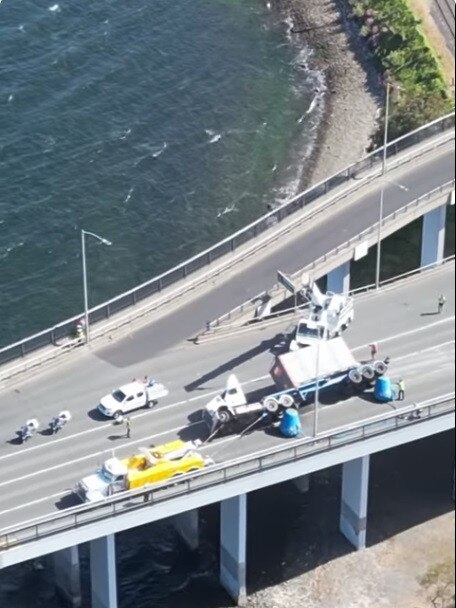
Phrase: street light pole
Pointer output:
(84, 277)
(382, 192)
(317, 385)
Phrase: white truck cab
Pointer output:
(131, 397)
(109, 478)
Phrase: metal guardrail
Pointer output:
(291, 312)
(251, 303)
(220, 474)
(53, 335)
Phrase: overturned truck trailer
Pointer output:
(295, 376)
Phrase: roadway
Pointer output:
(295, 251)
(37, 478)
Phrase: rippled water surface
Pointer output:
(160, 125)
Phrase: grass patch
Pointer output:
(394, 35)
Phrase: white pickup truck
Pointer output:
(130, 397)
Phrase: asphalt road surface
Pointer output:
(313, 240)
(37, 478)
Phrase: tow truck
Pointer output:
(295, 376)
(132, 396)
(152, 465)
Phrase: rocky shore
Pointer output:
(354, 96)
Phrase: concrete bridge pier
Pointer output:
(355, 493)
(67, 576)
(187, 525)
(302, 484)
(103, 572)
(433, 236)
(233, 547)
(338, 280)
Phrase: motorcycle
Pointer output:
(58, 422)
(28, 430)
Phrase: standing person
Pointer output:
(128, 427)
(441, 303)
(401, 390)
(373, 350)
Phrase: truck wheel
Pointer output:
(271, 405)
(224, 416)
(286, 401)
(380, 368)
(368, 372)
(118, 415)
(355, 376)
(151, 404)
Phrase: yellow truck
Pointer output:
(151, 466)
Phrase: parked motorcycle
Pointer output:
(58, 422)
(28, 430)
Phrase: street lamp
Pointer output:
(389, 86)
(382, 192)
(317, 385)
(84, 276)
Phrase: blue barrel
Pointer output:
(383, 389)
(290, 425)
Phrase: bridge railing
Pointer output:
(61, 331)
(221, 474)
(317, 267)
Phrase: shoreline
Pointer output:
(353, 97)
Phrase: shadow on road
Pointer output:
(230, 365)
(95, 415)
(117, 437)
(15, 441)
(67, 501)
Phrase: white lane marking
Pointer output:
(405, 333)
(425, 350)
(135, 417)
(34, 502)
(100, 453)
(209, 394)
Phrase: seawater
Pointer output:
(161, 126)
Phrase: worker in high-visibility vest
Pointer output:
(401, 390)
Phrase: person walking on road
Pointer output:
(373, 349)
(401, 390)
(441, 303)
(128, 427)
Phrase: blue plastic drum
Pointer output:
(290, 425)
(383, 389)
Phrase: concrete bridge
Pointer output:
(38, 512)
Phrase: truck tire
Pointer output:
(271, 405)
(286, 401)
(355, 376)
(380, 368)
(368, 372)
(151, 404)
(118, 415)
(224, 415)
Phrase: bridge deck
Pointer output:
(36, 479)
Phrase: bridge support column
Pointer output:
(355, 491)
(338, 280)
(67, 576)
(233, 547)
(103, 572)
(433, 236)
(187, 525)
(302, 484)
